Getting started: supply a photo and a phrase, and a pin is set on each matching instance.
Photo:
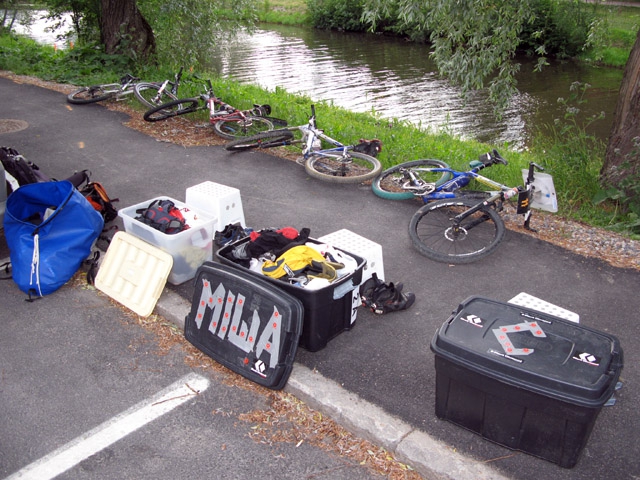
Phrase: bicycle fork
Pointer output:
(525, 196)
(457, 229)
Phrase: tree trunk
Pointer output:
(124, 30)
(622, 158)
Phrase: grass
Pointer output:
(571, 156)
(286, 12)
(614, 39)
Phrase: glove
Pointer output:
(326, 270)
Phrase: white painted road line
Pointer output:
(113, 430)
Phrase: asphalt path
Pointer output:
(80, 388)
(384, 360)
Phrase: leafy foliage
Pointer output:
(575, 158)
(626, 195)
(85, 17)
(190, 24)
(87, 64)
(194, 25)
(337, 14)
(564, 28)
(475, 41)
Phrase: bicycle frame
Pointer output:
(312, 136)
(458, 180)
(219, 110)
(172, 86)
(125, 87)
(524, 197)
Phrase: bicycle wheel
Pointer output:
(355, 168)
(149, 94)
(434, 235)
(93, 94)
(389, 184)
(171, 109)
(238, 127)
(272, 138)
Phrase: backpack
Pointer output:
(18, 170)
(162, 215)
(97, 196)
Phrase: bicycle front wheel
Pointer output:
(171, 109)
(149, 94)
(93, 94)
(272, 138)
(241, 127)
(392, 183)
(356, 167)
(436, 235)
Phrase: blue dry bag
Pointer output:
(50, 228)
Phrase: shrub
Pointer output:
(337, 14)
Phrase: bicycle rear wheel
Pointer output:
(272, 138)
(149, 94)
(389, 184)
(93, 94)
(171, 109)
(238, 127)
(434, 234)
(356, 167)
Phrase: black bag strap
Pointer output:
(6, 271)
(93, 267)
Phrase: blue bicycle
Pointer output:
(435, 180)
(455, 225)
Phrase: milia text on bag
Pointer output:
(248, 325)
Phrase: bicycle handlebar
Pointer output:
(532, 167)
(496, 157)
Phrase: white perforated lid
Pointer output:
(134, 273)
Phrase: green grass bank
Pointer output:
(570, 155)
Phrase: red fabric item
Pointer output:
(288, 232)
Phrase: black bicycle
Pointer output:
(464, 229)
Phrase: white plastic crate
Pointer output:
(220, 201)
(525, 300)
(189, 248)
(363, 247)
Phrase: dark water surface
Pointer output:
(397, 79)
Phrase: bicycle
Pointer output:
(339, 164)
(455, 225)
(228, 122)
(431, 179)
(149, 94)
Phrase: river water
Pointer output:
(397, 80)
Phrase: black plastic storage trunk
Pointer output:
(523, 379)
(328, 311)
(245, 324)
